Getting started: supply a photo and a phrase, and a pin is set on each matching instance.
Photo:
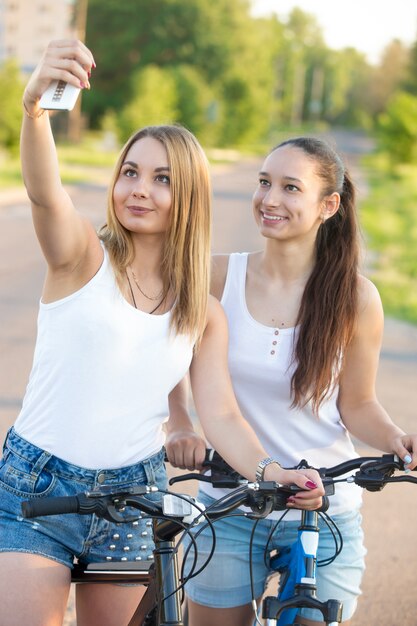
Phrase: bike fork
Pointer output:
(298, 589)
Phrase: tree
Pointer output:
(346, 87)
(397, 128)
(153, 101)
(411, 80)
(11, 89)
(130, 35)
(197, 103)
(388, 76)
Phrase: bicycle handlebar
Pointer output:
(262, 497)
(103, 502)
(373, 474)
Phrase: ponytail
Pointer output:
(328, 309)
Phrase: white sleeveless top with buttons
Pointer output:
(260, 362)
(98, 391)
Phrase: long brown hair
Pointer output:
(186, 256)
(328, 309)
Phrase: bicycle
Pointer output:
(161, 604)
(297, 564)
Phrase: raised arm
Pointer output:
(64, 236)
(360, 409)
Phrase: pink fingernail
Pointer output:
(82, 85)
(310, 484)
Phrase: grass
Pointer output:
(389, 219)
(92, 161)
(88, 162)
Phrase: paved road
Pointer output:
(390, 518)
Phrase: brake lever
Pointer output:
(215, 479)
(192, 476)
(402, 479)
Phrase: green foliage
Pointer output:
(153, 101)
(389, 218)
(11, 89)
(397, 128)
(197, 103)
(238, 78)
(410, 84)
(204, 34)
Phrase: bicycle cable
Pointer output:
(252, 585)
(337, 538)
(271, 533)
(180, 587)
(204, 513)
(193, 537)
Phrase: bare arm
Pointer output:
(184, 446)
(219, 263)
(63, 234)
(360, 409)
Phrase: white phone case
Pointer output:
(59, 96)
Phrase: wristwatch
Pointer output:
(262, 465)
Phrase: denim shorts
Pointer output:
(28, 472)
(225, 582)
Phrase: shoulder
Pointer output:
(368, 295)
(219, 265)
(370, 312)
(215, 335)
(216, 318)
(215, 311)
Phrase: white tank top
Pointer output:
(98, 391)
(260, 365)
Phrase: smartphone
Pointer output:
(59, 96)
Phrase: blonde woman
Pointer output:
(123, 316)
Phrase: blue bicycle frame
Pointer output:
(297, 587)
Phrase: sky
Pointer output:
(367, 25)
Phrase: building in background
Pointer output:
(27, 26)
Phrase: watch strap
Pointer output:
(262, 465)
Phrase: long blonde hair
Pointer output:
(186, 255)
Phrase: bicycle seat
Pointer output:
(122, 571)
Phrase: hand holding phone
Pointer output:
(59, 96)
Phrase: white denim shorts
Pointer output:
(225, 582)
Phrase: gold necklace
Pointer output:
(157, 297)
(133, 297)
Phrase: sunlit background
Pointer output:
(367, 25)
(241, 75)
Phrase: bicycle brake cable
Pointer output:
(337, 535)
(252, 585)
(271, 534)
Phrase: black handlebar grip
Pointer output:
(50, 506)
(325, 505)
